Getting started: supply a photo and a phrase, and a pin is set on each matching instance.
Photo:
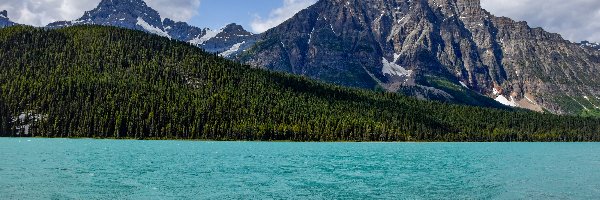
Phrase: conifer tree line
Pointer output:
(106, 82)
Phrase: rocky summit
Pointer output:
(451, 50)
(137, 15)
(4, 20)
(228, 41)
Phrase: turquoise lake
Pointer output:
(127, 169)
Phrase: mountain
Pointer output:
(451, 50)
(590, 45)
(230, 41)
(137, 15)
(102, 82)
(4, 20)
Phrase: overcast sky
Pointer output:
(576, 20)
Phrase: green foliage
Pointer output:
(576, 104)
(591, 113)
(105, 82)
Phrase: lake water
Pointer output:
(117, 169)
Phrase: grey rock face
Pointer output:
(228, 41)
(423, 46)
(4, 20)
(137, 15)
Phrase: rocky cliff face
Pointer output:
(4, 20)
(436, 49)
(137, 15)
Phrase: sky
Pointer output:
(576, 20)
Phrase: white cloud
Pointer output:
(42, 12)
(279, 15)
(575, 20)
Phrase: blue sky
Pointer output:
(217, 13)
(255, 15)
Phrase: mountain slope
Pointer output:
(426, 47)
(137, 15)
(4, 20)
(93, 81)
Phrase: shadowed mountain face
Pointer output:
(4, 20)
(135, 14)
(434, 49)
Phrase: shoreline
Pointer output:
(290, 141)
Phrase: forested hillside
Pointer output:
(105, 82)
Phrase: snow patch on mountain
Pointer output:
(210, 34)
(151, 29)
(393, 69)
(503, 100)
(235, 48)
(495, 91)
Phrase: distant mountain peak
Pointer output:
(4, 21)
(237, 29)
(137, 15)
(117, 2)
(591, 45)
(132, 14)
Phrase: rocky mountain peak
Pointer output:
(4, 21)
(590, 45)
(132, 14)
(229, 41)
(106, 3)
(234, 28)
(137, 15)
(124, 10)
(452, 50)
(132, 7)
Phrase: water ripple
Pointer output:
(109, 169)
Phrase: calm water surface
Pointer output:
(113, 169)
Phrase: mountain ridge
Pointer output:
(137, 15)
(433, 45)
